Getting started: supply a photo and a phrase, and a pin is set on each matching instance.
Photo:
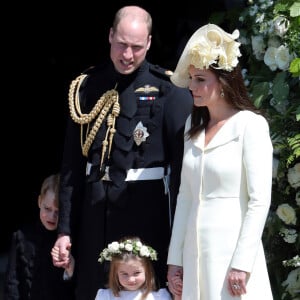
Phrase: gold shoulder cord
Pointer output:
(99, 111)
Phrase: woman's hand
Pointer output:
(237, 282)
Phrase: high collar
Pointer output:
(124, 80)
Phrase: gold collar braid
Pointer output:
(100, 110)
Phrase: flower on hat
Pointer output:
(134, 246)
(209, 46)
(212, 49)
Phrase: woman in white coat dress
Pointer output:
(226, 178)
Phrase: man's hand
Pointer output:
(61, 251)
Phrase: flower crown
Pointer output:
(128, 246)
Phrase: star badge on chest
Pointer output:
(140, 133)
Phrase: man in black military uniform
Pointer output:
(122, 158)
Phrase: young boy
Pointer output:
(30, 271)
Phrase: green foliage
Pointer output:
(295, 67)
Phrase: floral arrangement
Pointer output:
(209, 46)
(215, 48)
(134, 246)
(270, 45)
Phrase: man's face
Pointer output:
(129, 45)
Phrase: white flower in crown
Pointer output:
(144, 251)
(129, 246)
(139, 244)
(114, 247)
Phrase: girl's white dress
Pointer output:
(106, 294)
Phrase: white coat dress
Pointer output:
(222, 206)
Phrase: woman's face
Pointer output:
(131, 274)
(205, 87)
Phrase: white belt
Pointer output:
(143, 174)
(140, 174)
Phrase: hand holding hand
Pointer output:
(61, 251)
(175, 279)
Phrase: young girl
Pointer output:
(30, 272)
(131, 274)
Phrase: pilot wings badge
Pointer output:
(140, 133)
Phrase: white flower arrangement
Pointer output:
(215, 49)
(209, 46)
(277, 58)
(289, 235)
(286, 213)
(271, 31)
(281, 25)
(294, 262)
(294, 176)
(117, 249)
(292, 283)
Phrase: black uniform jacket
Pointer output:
(96, 212)
(30, 272)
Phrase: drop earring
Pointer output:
(222, 93)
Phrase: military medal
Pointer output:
(140, 133)
(145, 91)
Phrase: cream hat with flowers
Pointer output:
(211, 46)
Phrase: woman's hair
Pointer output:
(235, 93)
(123, 257)
(50, 183)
